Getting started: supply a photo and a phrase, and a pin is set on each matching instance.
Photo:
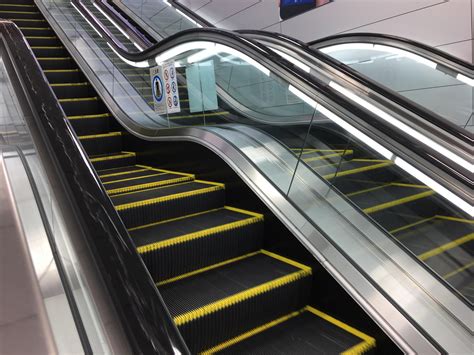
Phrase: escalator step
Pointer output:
(72, 90)
(111, 161)
(161, 203)
(36, 31)
(16, 5)
(181, 245)
(20, 13)
(90, 124)
(56, 76)
(56, 63)
(51, 51)
(221, 302)
(351, 167)
(104, 143)
(42, 41)
(82, 106)
(318, 157)
(389, 195)
(118, 171)
(28, 22)
(307, 332)
(153, 179)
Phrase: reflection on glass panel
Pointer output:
(412, 76)
(437, 233)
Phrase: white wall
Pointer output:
(446, 24)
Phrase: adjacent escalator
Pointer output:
(224, 291)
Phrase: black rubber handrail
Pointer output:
(461, 176)
(141, 310)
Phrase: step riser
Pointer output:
(78, 108)
(192, 255)
(50, 52)
(70, 92)
(10, 7)
(57, 64)
(36, 31)
(234, 320)
(138, 216)
(104, 145)
(20, 14)
(90, 126)
(64, 77)
(28, 23)
(354, 182)
(114, 163)
(43, 42)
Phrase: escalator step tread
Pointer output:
(308, 332)
(115, 171)
(122, 200)
(388, 195)
(204, 288)
(187, 225)
(349, 167)
(153, 179)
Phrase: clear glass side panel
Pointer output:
(414, 77)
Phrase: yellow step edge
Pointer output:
(367, 343)
(133, 178)
(112, 157)
(349, 161)
(445, 247)
(120, 173)
(255, 214)
(35, 28)
(40, 37)
(456, 219)
(411, 225)
(223, 113)
(18, 5)
(148, 185)
(164, 170)
(101, 135)
(357, 170)
(102, 115)
(151, 201)
(53, 58)
(375, 188)
(18, 12)
(69, 84)
(398, 202)
(198, 235)
(249, 334)
(47, 47)
(61, 71)
(27, 19)
(79, 99)
(171, 220)
(207, 268)
(239, 297)
(461, 269)
(286, 260)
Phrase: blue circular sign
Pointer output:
(157, 88)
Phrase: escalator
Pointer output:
(437, 233)
(213, 264)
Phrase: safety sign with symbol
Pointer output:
(165, 89)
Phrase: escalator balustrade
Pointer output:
(224, 291)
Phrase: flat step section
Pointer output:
(104, 143)
(110, 161)
(307, 332)
(221, 302)
(161, 203)
(91, 124)
(144, 180)
(389, 195)
(177, 246)
(446, 244)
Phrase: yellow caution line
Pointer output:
(148, 185)
(400, 201)
(239, 210)
(171, 220)
(61, 71)
(47, 47)
(207, 268)
(80, 99)
(446, 247)
(40, 37)
(198, 235)
(19, 12)
(165, 171)
(53, 58)
(165, 198)
(18, 5)
(69, 84)
(414, 224)
(201, 115)
(101, 135)
(455, 272)
(112, 157)
(286, 260)
(132, 178)
(102, 115)
(323, 157)
(368, 341)
(375, 188)
(120, 173)
(239, 297)
(358, 170)
(456, 219)
(249, 334)
(35, 28)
